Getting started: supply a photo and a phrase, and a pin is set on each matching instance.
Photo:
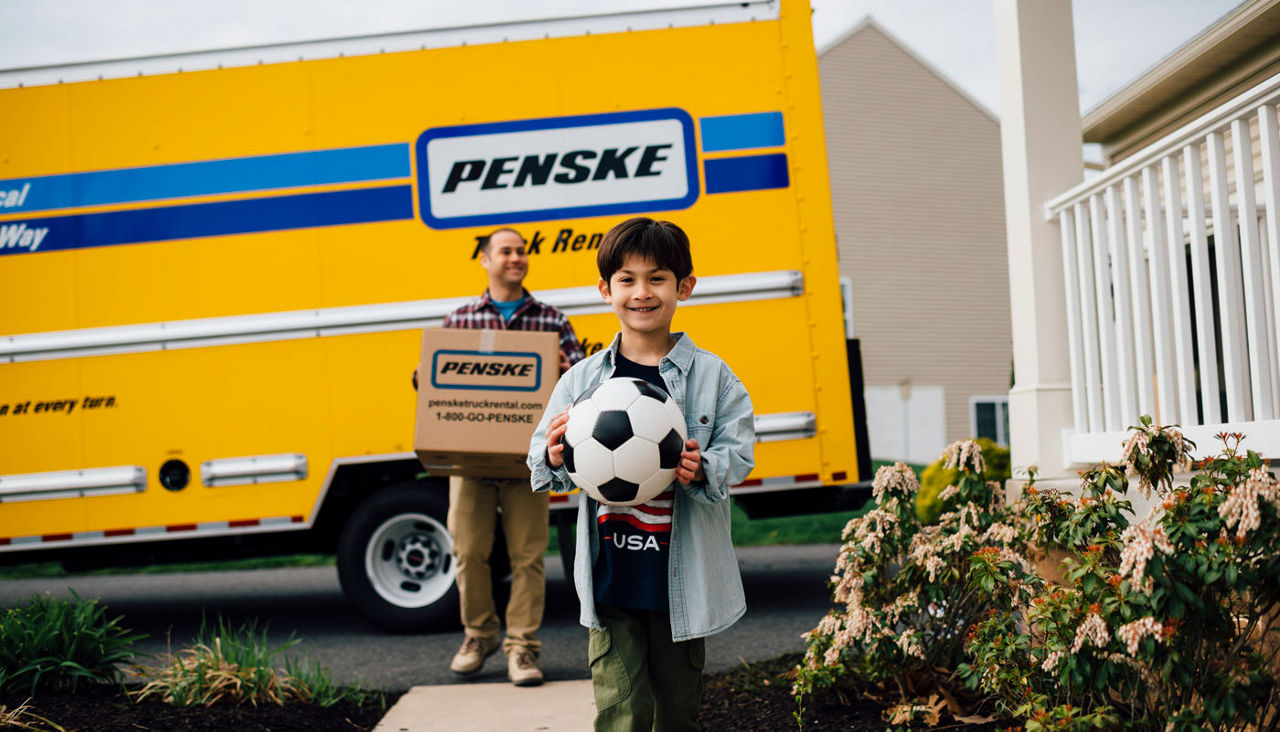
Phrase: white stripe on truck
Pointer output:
(321, 322)
(73, 483)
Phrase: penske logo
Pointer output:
(563, 167)
(496, 370)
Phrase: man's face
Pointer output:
(504, 259)
(644, 296)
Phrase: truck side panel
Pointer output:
(163, 202)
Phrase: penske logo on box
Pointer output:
(491, 370)
(561, 167)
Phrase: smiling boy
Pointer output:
(656, 579)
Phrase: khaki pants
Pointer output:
(642, 680)
(473, 516)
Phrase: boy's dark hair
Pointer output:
(489, 237)
(662, 242)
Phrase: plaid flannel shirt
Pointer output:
(531, 315)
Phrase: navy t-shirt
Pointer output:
(635, 541)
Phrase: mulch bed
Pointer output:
(106, 709)
(751, 698)
(757, 698)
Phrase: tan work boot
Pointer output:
(470, 657)
(522, 667)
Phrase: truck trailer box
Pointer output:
(480, 396)
(217, 267)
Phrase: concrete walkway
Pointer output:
(557, 706)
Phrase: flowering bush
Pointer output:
(904, 587)
(1163, 623)
(1169, 622)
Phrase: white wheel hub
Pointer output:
(409, 560)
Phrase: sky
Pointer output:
(1116, 40)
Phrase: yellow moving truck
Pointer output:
(215, 270)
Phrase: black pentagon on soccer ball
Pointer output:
(568, 456)
(613, 428)
(649, 390)
(669, 450)
(586, 394)
(618, 490)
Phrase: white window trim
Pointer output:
(1002, 403)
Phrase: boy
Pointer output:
(649, 608)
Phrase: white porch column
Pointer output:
(1040, 138)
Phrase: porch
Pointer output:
(1152, 288)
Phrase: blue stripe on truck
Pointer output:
(332, 208)
(742, 131)
(204, 178)
(748, 173)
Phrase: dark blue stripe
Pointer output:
(752, 173)
(210, 177)
(742, 131)
(301, 211)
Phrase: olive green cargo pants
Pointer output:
(642, 679)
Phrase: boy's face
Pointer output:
(644, 295)
(504, 260)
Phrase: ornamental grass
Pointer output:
(239, 665)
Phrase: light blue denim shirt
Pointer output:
(703, 583)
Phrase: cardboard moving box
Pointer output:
(480, 396)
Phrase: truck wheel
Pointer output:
(395, 560)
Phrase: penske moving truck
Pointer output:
(216, 267)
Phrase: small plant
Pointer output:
(56, 643)
(239, 664)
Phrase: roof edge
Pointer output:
(870, 22)
(1109, 115)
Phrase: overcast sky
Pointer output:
(1116, 40)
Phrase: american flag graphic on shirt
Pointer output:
(653, 515)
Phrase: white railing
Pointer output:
(1172, 267)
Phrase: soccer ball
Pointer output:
(623, 441)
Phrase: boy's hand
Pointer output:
(690, 468)
(555, 438)
(564, 363)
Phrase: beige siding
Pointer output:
(919, 211)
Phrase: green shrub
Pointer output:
(1169, 623)
(239, 664)
(937, 476)
(903, 586)
(55, 643)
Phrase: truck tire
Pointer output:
(395, 560)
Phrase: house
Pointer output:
(916, 191)
(1153, 287)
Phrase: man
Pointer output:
(474, 502)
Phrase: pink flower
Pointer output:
(1241, 509)
(1140, 546)
(897, 479)
(1092, 631)
(964, 455)
(1133, 633)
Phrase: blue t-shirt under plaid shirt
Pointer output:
(635, 541)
